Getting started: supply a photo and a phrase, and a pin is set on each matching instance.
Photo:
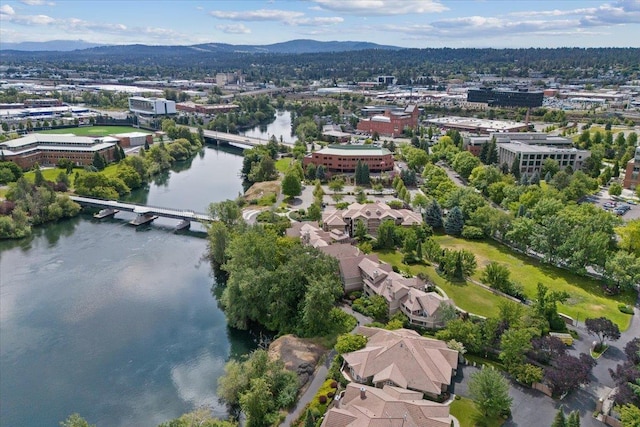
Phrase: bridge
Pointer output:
(240, 141)
(147, 213)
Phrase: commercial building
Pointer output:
(506, 98)
(392, 122)
(133, 139)
(345, 158)
(151, 106)
(474, 143)
(478, 126)
(533, 156)
(632, 173)
(192, 107)
(48, 150)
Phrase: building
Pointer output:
(151, 106)
(48, 150)
(533, 156)
(477, 126)
(364, 406)
(133, 139)
(402, 358)
(192, 107)
(392, 122)
(386, 80)
(345, 158)
(632, 173)
(371, 214)
(506, 98)
(334, 134)
(474, 143)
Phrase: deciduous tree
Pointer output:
(490, 392)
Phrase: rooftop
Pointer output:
(359, 150)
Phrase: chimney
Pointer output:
(363, 393)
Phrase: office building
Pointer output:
(151, 106)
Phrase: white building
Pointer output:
(152, 106)
(533, 156)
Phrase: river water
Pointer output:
(280, 127)
(113, 322)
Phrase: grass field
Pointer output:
(465, 411)
(51, 174)
(282, 165)
(586, 296)
(95, 130)
(467, 296)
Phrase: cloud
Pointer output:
(37, 2)
(287, 17)
(382, 7)
(234, 29)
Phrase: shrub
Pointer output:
(472, 233)
(624, 308)
(330, 394)
(334, 384)
(342, 205)
(322, 399)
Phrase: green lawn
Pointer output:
(95, 130)
(282, 165)
(467, 296)
(465, 411)
(51, 174)
(587, 298)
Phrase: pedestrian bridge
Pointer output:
(183, 215)
(240, 141)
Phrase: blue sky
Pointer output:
(406, 23)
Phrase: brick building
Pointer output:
(133, 139)
(632, 173)
(344, 158)
(392, 122)
(47, 150)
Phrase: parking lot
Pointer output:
(606, 202)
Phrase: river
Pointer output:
(113, 322)
(280, 127)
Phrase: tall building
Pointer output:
(506, 98)
(632, 173)
(151, 106)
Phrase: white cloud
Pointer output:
(234, 29)
(287, 17)
(37, 2)
(382, 7)
(5, 9)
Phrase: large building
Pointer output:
(506, 98)
(192, 107)
(533, 156)
(392, 122)
(474, 143)
(151, 106)
(344, 158)
(48, 150)
(632, 173)
(371, 215)
(365, 406)
(478, 126)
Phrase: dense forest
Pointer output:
(408, 65)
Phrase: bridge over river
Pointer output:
(145, 213)
(241, 141)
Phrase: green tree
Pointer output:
(75, 420)
(228, 212)
(490, 392)
(574, 419)
(630, 236)
(622, 271)
(360, 232)
(256, 403)
(496, 275)
(464, 162)
(291, 185)
(514, 344)
(615, 189)
(454, 223)
(386, 235)
(346, 343)
(515, 167)
(629, 415)
(560, 419)
(314, 213)
(39, 178)
(98, 161)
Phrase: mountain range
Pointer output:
(289, 47)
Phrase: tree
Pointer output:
(39, 178)
(630, 236)
(433, 214)
(346, 343)
(291, 185)
(75, 420)
(314, 213)
(228, 212)
(515, 343)
(454, 223)
(257, 403)
(622, 271)
(568, 372)
(515, 167)
(615, 189)
(496, 275)
(629, 415)
(559, 420)
(603, 328)
(490, 392)
(549, 167)
(386, 235)
(464, 162)
(98, 161)
(574, 419)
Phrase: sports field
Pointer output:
(95, 130)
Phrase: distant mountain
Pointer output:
(289, 47)
(52, 45)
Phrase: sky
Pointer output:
(404, 23)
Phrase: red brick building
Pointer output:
(133, 139)
(344, 158)
(47, 150)
(632, 173)
(391, 122)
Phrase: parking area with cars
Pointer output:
(627, 209)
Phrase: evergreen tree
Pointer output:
(547, 177)
(122, 154)
(616, 169)
(524, 179)
(559, 420)
(574, 419)
(492, 157)
(320, 173)
(309, 420)
(515, 167)
(484, 153)
(116, 154)
(98, 161)
(39, 178)
(535, 179)
(455, 222)
(504, 168)
(433, 215)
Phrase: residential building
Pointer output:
(345, 158)
(364, 406)
(533, 156)
(392, 122)
(47, 150)
(371, 214)
(632, 173)
(151, 106)
(402, 358)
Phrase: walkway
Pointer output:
(136, 208)
(320, 375)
